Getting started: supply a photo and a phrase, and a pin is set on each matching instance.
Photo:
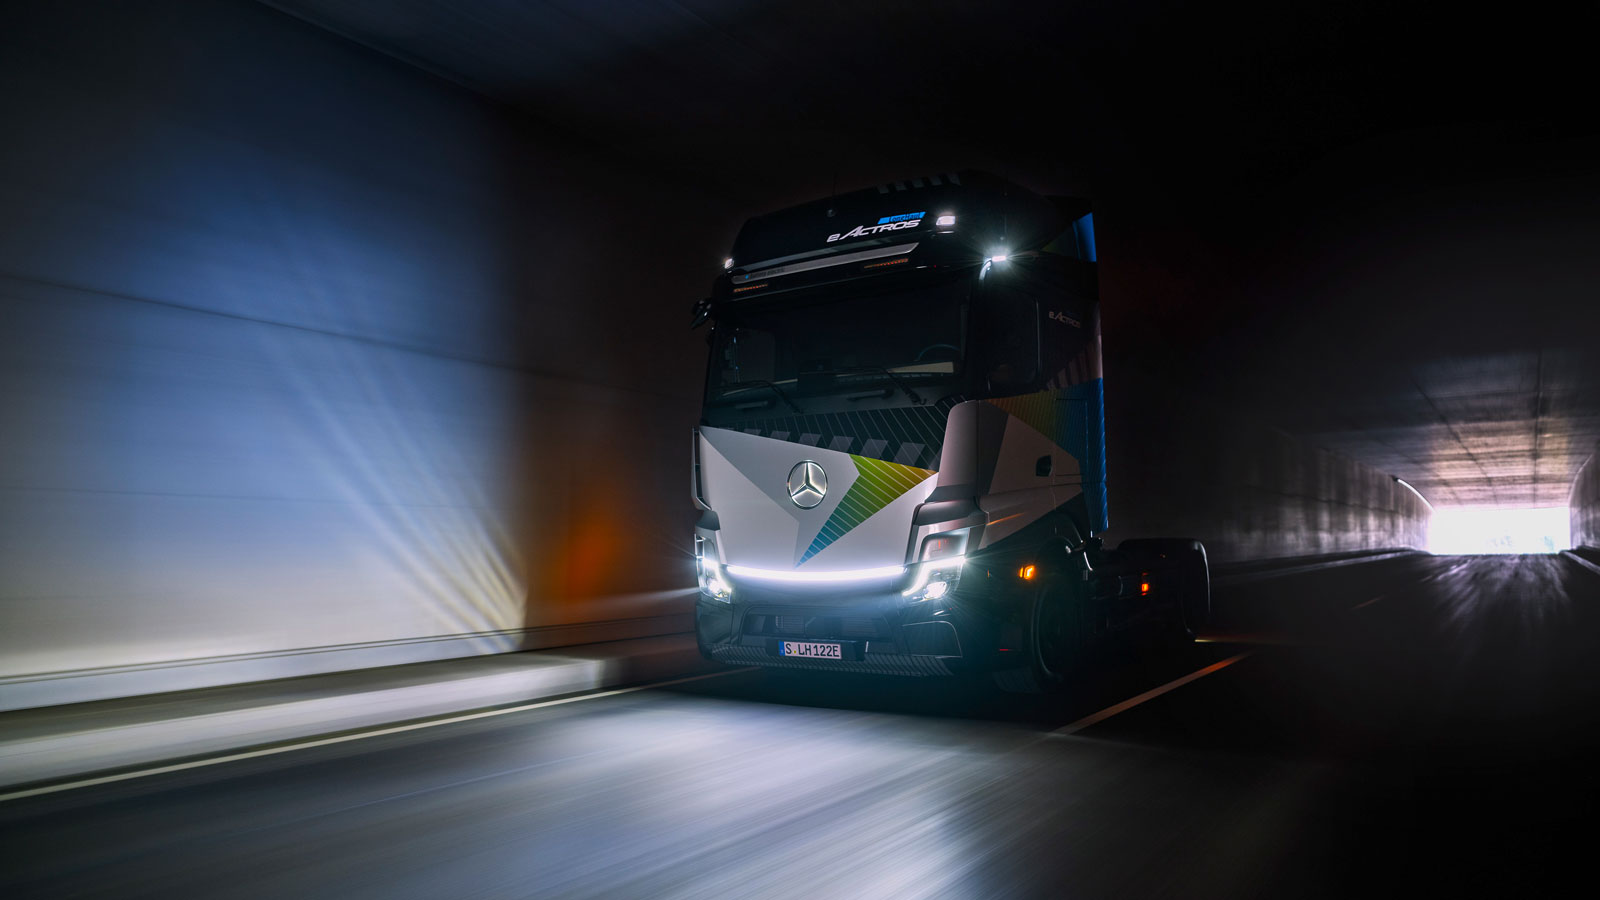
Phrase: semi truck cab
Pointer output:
(900, 463)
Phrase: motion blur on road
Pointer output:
(349, 538)
(1422, 724)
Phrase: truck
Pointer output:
(900, 464)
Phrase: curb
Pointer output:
(73, 741)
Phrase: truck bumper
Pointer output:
(878, 634)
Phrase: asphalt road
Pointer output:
(1422, 726)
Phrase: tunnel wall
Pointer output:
(1186, 464)
(314, 361)
(1584, 505)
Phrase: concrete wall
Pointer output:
(1182, 464)
(1584, 505)
(311, 360)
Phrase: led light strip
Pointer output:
(841, 575)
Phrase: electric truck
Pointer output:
(900, 465)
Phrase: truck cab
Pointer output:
(900, 462)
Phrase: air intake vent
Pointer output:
(932, 639)
(858, 626)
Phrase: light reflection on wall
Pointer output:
(305, 348)
(1468, 531)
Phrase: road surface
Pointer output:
(1422, 726)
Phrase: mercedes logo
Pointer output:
(808, 484)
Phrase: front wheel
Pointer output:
(1055, 637)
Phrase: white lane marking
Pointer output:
(345, 738)
(1581, 561)
(1151, 694)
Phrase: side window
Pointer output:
(1013, 341)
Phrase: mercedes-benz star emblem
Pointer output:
(808, 484)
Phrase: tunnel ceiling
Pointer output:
(1505, 429)
(1373, 227)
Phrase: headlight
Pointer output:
(713, 583)
(935, 579)
(936, 576)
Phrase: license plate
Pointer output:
(811, 651)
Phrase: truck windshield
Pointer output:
(908, 335)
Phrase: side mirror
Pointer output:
(701, 312)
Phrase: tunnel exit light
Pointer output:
(1466, 531)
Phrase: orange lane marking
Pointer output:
(1368, 603)
(1151, 694)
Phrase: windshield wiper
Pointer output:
(915, 397)
(756, 382)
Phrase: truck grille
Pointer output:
(851, 627)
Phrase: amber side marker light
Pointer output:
(1026, 573)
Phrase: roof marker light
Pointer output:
(727, 263)
(945, 221)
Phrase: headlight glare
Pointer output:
(713, 583)
(935, 579)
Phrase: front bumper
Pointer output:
(880, 633)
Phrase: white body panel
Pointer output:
(745, 480)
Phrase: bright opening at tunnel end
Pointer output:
(1470, 531)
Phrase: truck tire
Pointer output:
(1195, 605)
(1055, 635)
(1189, 576)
